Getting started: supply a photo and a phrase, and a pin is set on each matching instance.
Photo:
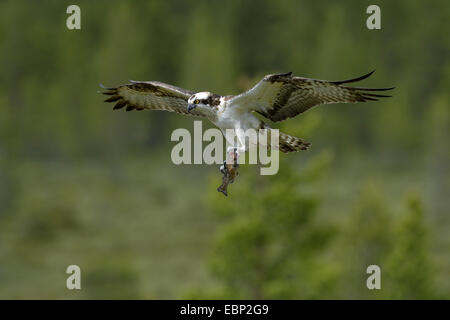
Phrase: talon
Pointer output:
(223, 168)
(223, 191)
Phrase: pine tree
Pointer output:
(409, 268)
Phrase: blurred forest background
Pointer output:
(81, 184)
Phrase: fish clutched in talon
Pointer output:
(229, 171)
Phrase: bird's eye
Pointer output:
(196, 101)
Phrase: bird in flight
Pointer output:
(276, 97)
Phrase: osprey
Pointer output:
(276, 97)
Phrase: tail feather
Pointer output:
(292, 144)
(286, 143)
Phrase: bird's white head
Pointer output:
(203, 99)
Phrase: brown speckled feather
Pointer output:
(282, 96)
(152, 95)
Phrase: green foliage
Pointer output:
(270, 244)
(399, 246)
(409, 268)
(367, 241)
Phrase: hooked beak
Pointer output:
(190, 107)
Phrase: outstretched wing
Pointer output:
(152, 95)
(282, 96)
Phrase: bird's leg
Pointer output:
(229, 169)
(223, 168)
(233, 155)
(230, 161)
